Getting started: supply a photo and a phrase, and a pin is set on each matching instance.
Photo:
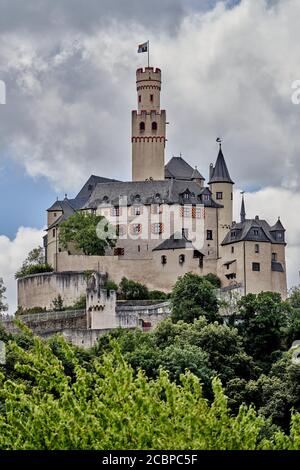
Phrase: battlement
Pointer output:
(148, 73)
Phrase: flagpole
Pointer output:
(148, 48)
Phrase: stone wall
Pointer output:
(39, 290)
(48, 322)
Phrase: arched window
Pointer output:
(154, 126)
(163, 259)
(142, 126)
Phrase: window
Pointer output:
(121, 230)
(155, 209)
(233, 234)
(139, 248)
(136, 229)
(142, 126)
(255, 232)
(151, 98)
(205, 197)
(274, 256)
(115, 211)
(186, 212)
(186, 195)
(136, 210)
(256, 248)
(255, 266)
(163, 259)
(119, 252)
(199, 212)
(185, 232)
(209, 235)
(90, 187)
(219, 195)
(157, 228)
(54, 214)
(232, 249)
(140, 98)
(181, 259)
(154, 126)
(53, 232)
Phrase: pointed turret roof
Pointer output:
(220, 172)
(196, 175)
(243, 210)
(277, 226)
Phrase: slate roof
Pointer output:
(67, 211)
(149, 192)
(179, 169)
(257, 230)
(220, 173)
(173, 243)
(275, 266)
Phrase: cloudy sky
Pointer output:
(69, 68)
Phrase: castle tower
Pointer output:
(148, 128)
(221, 187)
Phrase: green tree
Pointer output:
(58, 303)
(81, 230)
(213, 279)
(62, 405)
(294, 297)
(34, 264)
(131, 290)
(3, 305)
(264, 318)
(193, 296)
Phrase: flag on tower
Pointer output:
(143, 47)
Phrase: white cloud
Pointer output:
(269, 203)
(12, 255)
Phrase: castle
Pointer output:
(169, 222)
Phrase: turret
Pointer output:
(148, 127)
(221, 187)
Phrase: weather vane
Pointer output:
(219, 140)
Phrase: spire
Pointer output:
(243, 211)
(220, 173)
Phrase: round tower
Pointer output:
(148, 127)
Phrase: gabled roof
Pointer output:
(256, 230)
(174, 243)
(179, 169)
(67, 211)
(220, 173)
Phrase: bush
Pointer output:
(29, 311)
(157, 295)
(213, 279)
(131, 290)
(33, 269)
(111, 285)
(80, 304)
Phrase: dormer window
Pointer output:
(233, 234)
(255, 232)
(137, 197)
(205, 197)
(186, 195)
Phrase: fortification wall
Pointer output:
(48, 323)
(39, 290)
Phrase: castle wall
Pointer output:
(39, 290)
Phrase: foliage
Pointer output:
(213, 279)
(58, 303)
(79, 304)
(157, 295)
(192, 297)
(29, 311)
(264, 318)
(111, 285)
(81, 229)
(131, 290)
(33, 269)
(3, 305)
(294, 297)
(34, 264)
(111, 407)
